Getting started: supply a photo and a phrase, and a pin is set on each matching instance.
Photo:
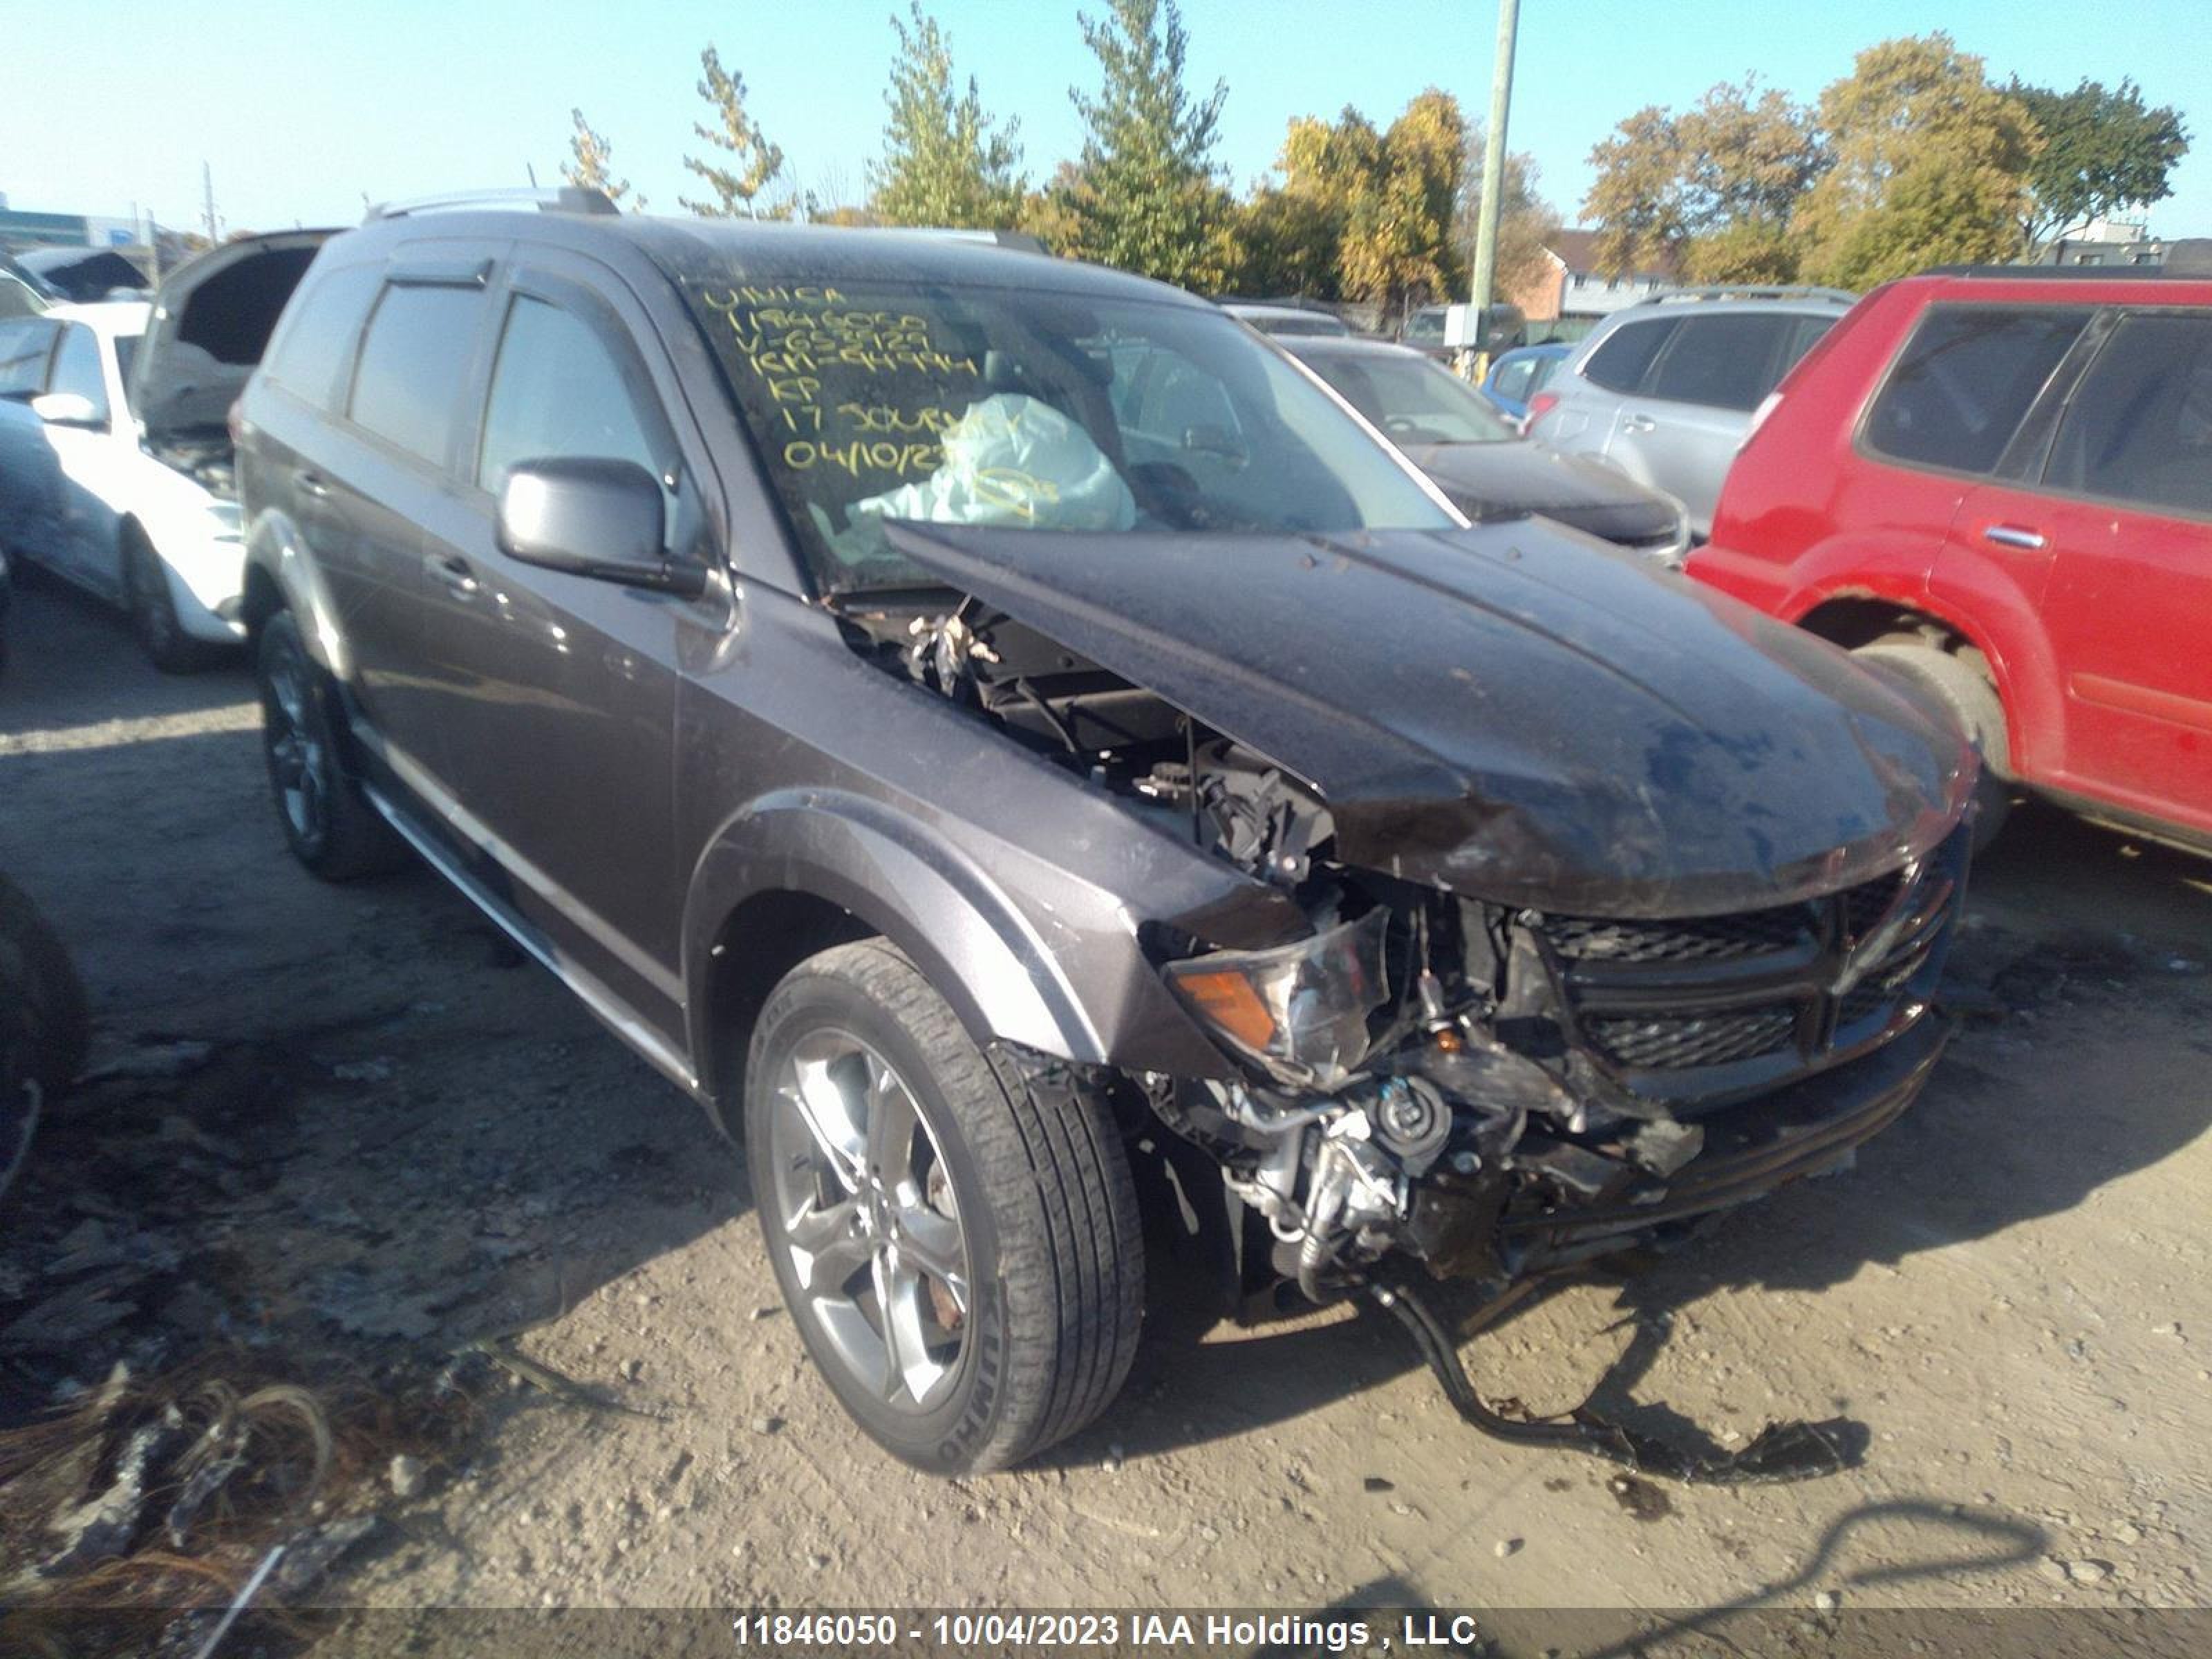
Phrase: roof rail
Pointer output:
(567, 198)
(2167, 272)
(1752, 291)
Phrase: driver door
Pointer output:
(566, 738)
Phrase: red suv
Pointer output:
(1998, 481)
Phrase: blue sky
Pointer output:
(300, 108)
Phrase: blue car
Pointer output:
(1519, 374)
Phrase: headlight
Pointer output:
(1298, 1009)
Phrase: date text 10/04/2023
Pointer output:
(785, 1631)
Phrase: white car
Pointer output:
(115, 451)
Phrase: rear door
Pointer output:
(2125, 516)
(1589, 399)
(1963, 414)
(1681, 428)
(562, 749)
(404, 416)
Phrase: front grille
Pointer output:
(1866, 904)
(1698, 938)
(1711, 1039)
(1713, 1005)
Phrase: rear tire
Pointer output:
(1015, 1171)
(153, 608)
(1973, 702)
(328, 822)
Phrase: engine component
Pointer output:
(1413, 1121)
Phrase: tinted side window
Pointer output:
(1966, 380)
(2139, 427)
(1721, 362)
(25, 343)
(319, 330)
(413, 361)
(557, 391)
(76, 369)
(1620, 360)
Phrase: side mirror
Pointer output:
(593, 517)
(67, 409)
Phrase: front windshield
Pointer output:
(1035, 411)
(1414, 400)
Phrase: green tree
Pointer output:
(753, 165)
(1292, 227)
(590, 165)
(1146, 195)
(944, 161)
(1398, 250)
(1928, 165)
(2103, 150)
(1047, 215)
(1711, 189)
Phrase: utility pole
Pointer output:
(207, 198)
(1493, 174)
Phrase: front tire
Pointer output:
(328, 823)
(153, 609)
(956, 1233)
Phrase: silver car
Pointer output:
(1665, 390)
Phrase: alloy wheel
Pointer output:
(866, 1210)
(299, 758)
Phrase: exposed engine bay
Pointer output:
(1490, 1093)
(209, 460)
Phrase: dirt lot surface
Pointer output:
(401, 1137)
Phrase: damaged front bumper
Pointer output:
(1550, 1092)
(1807, 1129)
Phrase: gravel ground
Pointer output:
(400, 1138)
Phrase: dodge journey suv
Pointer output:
(999, 803)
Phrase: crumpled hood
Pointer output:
(1506, 712)
(1500, 480)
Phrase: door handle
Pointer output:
(313, 484)
(1639, 424)
(453, 573)
(2010, 535)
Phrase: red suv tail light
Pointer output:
(1538, 406)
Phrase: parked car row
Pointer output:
(1664, 391)
(1480, 459)
(1026, 751)
(115, 456)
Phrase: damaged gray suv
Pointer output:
(1008, 742)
